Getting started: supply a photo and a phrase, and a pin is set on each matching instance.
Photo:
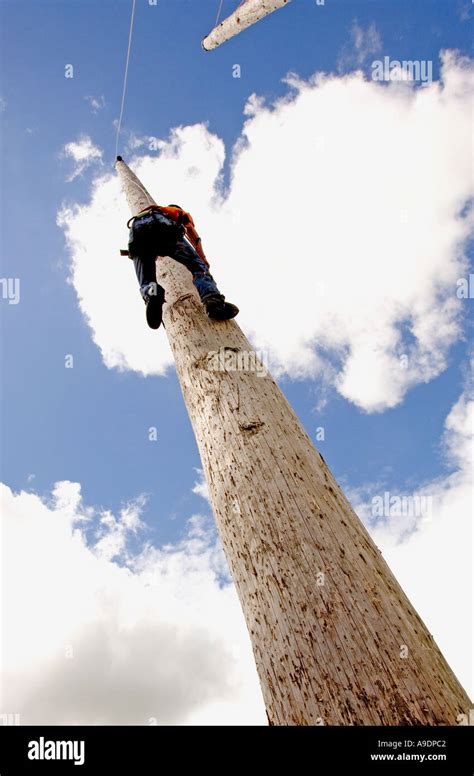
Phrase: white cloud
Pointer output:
(137, 141)
(114, 532)
(157, 635)
(200, 487)
(98, 633)
(464, 11)
(3, 105)
(96, 103)
(106, 285)
(364, 41)
(84, 153)
(431, 553)
(341, 236)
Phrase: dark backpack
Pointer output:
(153, 234)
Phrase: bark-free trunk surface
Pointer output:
(250, 12)
(335, 639)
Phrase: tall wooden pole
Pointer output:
(246, 14)
(335, 639)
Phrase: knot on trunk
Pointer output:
(216, 360)
(252, 427)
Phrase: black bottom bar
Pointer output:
(316, 750)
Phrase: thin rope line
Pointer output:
(220, 9)
(119, 126)
(218, 14)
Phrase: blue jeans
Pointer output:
(185, 254)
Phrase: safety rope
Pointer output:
(218, 14)
(220, 9)
(119, 125)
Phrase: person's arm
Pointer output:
(195, 240)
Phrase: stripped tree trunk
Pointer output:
(335, 639)
(250, 12)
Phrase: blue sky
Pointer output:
(89, 424)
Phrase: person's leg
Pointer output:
(153, 294)
(146, 274)
(202, 278)
(212, 299)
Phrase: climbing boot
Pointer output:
(154, 298)
(217, 308)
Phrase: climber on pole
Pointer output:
(170, 231)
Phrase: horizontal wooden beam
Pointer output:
(244, 16)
